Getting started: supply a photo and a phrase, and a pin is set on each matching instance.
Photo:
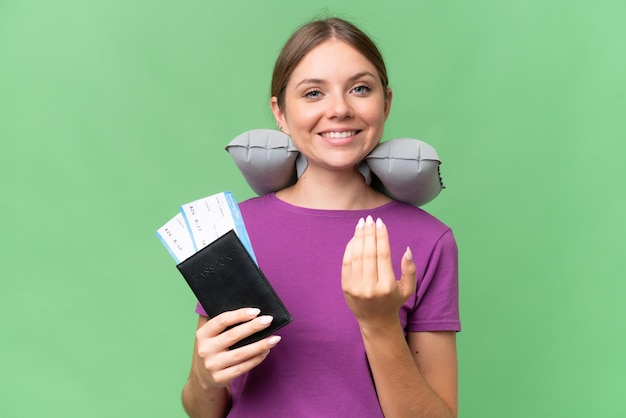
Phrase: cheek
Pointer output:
(375, 118)
(304, 117)
(373, 111)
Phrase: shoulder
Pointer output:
(255, 201)
(415, 227)
(409, 216)
(259, 204)
(266, 211)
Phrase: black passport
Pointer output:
(224, 277)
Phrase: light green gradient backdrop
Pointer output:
(112, 113)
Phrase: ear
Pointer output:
(388, 102)
(279, 115)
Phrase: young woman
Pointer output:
(370, 282)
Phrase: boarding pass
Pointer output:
(201, 222)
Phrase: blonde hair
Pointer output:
(311, 35)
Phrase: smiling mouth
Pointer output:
(338, 135)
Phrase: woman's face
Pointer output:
(335, 106)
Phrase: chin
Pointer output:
(340, 166)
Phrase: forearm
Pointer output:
(402, 390)
(201, 402)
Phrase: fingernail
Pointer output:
(266, 319)
(379, 223)
(409, 254)
(369, 221)
(254, 311)
(360, 224)
(274, 340)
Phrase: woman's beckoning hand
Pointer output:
(369, 284)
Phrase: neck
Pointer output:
(332, 190)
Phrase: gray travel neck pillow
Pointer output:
(404, 169)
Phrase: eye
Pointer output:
(313, 94)
(362, 89)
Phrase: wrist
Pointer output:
(381, 328)
(196, 380)
(208, 401)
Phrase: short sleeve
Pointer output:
(200, 310)
(437, 304)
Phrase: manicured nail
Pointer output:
(379, 223)
(360, 224)
(266, 319)
(409, 254)
(369, 221)
(274, 340)
(253, 312)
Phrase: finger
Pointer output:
(229, 373)
(370, 261)
(237, 333)
(346, 265)
(227, 365)
(214, 349)
(356, 252)
(408, 280)
(383, 254)
(245, 358)
(219, 323)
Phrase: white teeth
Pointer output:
(337, 135)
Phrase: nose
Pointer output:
(339, 107)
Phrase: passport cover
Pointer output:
(224, 277)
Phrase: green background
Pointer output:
(112, 113)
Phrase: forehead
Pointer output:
(332, 60)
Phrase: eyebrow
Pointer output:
(320, 81)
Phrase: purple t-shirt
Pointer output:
(320, 368)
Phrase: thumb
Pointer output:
(408, 281)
